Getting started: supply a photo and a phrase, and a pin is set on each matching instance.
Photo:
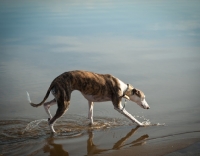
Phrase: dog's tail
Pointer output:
(39, 104)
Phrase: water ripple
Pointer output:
(71, 125)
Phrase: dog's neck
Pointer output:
(126, 89)
(123, 86)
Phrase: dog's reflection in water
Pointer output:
(93, 149)
(56, 149)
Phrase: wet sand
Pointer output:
(192, 149)
(168, 147)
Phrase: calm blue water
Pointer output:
(152, 45)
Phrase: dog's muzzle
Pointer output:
(145, 105)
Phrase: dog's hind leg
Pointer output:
(63, 103)
(90, 112)
(62, 108)
(47, 105)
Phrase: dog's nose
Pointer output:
(148, 107)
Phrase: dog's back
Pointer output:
(88, 83)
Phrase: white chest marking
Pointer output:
(123, 86)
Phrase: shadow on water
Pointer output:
(56, 149)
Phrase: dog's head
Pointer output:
(137, 96)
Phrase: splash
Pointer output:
(32, 125)
(147, 122)
(80, 124)
(73, 125)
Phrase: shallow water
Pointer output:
(16, 134)
(152, 45)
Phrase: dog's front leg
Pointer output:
(90, 112)
(127, 114)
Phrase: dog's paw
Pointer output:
(144, 124)
(53, 132)
(90, 124)
(141, 125)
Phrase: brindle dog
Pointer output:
(95, 88)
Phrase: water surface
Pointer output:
(152, 45)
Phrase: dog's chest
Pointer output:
(96, 98)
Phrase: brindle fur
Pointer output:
(100, 86)
(87, 83)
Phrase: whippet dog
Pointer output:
(95, 88)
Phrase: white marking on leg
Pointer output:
(90, 112)
(52, 129)
(59, 113)
(47, 105)
(128, 115)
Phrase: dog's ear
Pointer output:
(134, 91)
(137, 92)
